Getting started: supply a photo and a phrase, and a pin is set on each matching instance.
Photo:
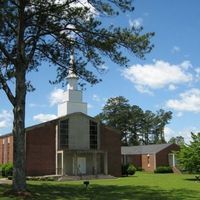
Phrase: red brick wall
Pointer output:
(41, 150)
(133, 159)
(145, 166)
(10, 146)
(162, 156)
(6, 149)
(110, 142)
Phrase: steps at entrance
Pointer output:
(176, 170)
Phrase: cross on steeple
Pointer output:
(72, 78)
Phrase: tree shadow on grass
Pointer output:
(52, 191)
(190, 179)
(109, 192)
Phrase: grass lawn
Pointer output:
(143, 186)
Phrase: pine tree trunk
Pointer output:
(19, 176)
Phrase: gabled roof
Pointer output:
(57, 119)
(143, 149)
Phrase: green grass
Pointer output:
(141, 186)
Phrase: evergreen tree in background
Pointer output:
(177, 140)
(137, 126)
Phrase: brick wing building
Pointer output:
(149, 157)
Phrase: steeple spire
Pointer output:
(72, 78)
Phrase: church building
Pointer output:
(72, 144)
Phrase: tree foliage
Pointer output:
(46, 30)
(136, 126)
(177, 140)
(37, 31)
(189, 155)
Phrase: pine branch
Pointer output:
(6, 53)
(6, 89)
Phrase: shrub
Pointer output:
(131, 169)
(3, 170)
(124, 170)
(7, 169)
(128, 169)
(163, 169)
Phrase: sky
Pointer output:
(168, 77)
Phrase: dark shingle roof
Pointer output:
(143, 149)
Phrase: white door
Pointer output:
(81, 164)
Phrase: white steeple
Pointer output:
(72, 101)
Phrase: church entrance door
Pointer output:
(81, 163)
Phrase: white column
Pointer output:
(174, 160)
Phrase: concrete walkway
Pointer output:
(5, 181)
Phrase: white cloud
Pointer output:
(197, 70)
(169, 133)
(44, 117)
(6, 118)
(186, 65)
(56, 96)
(172, 87)
(143, 89)
(188, 101)
(175, 49)
(34, 105)
(137, 23)
(99, 99)
(95, 97)
(157, 75)
(3, 124)
(90, 106)
(104, 68)
(186, 133)
(179, 114)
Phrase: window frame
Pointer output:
(93, 131)
(63, 134)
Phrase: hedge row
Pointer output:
(163, 169)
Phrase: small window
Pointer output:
(93, 135)
(63, 134)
